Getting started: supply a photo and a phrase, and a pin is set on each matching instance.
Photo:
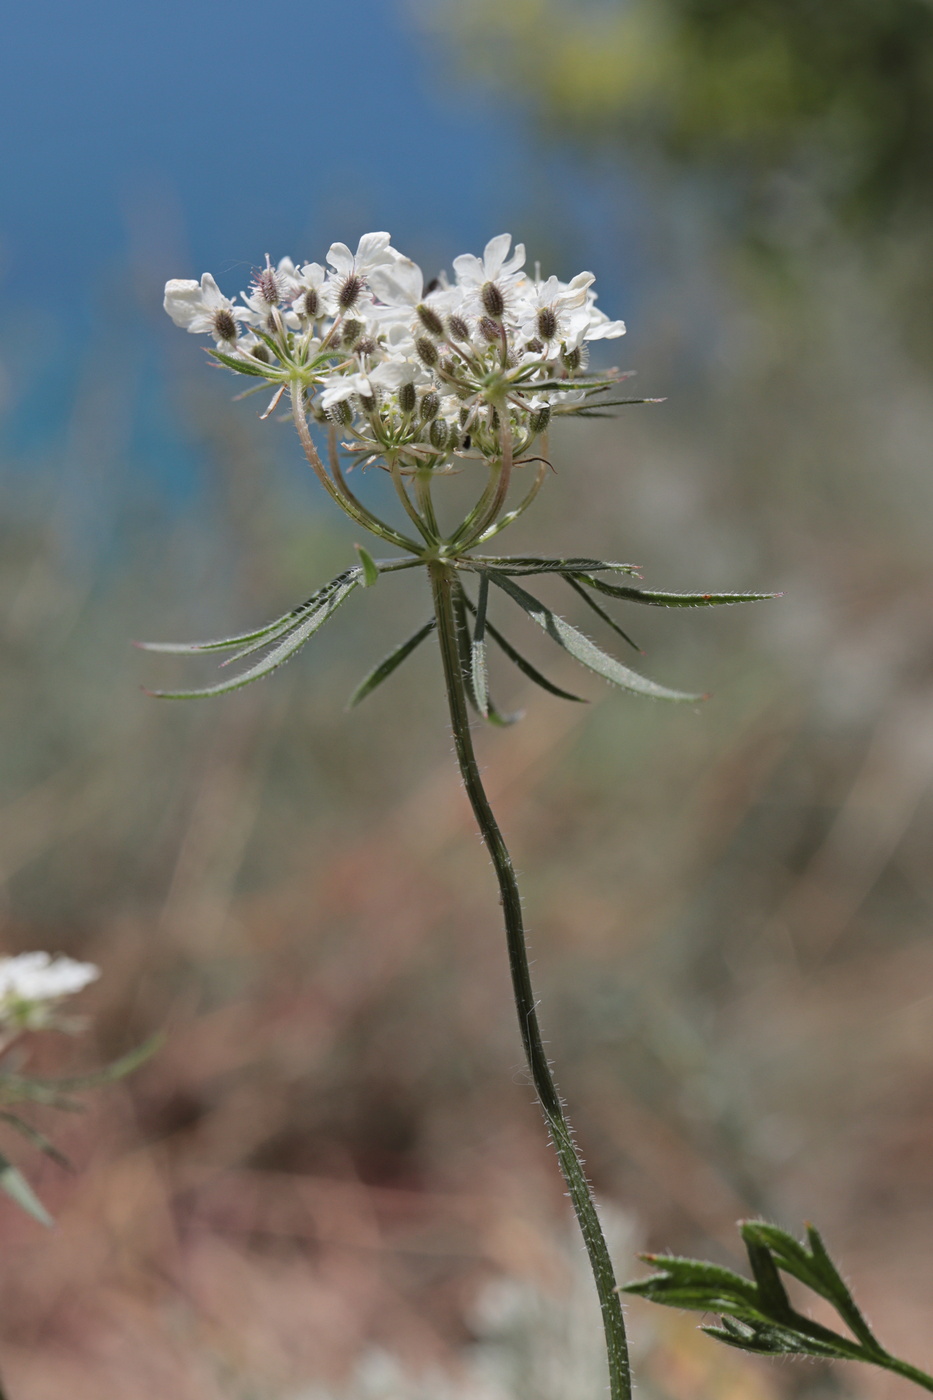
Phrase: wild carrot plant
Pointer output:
(422, 381)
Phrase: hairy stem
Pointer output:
(910, 1373)
(443, 582)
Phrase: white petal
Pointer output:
(515, 261)
(213, 296)
(495, 254)
(469, 268)
(372, 250)
(398, 284)
(183, 299)
(340, 258)
(605, 330)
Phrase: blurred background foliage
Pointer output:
(730, 907)
(746, 93)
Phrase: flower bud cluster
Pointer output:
(420, 373)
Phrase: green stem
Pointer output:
(338, 489)
(620, 1387)
(910, 1373)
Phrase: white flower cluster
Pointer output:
(32, 985)
(417, 372)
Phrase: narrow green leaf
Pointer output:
(789, 1254)
(268, 631)
(462, 606)
(38, 1140)
(18, 1189)
(269, 372)
(272, 345)
(842, 1297)
(695, 1275)
(526, 667)
(370, 572)
(286, 623)
(391, 662)
(582, 649)
(594, 410)
(771, 1341)
(478, 649)
(518, 564)
(672, 600)
(771, 1291)
(601, 612)
(292, 642)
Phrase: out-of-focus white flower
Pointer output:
(202, 309)
(33, 984)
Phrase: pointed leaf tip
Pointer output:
(370, 571)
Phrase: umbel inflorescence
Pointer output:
(425, 374)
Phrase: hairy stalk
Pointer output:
(339, 491)
(900, 1368)
(443, 583)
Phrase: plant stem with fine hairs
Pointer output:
(443, 581)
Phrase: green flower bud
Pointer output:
(438, 434)
(430, 406)
(427, 351)
(406, 397)
(430, 320)
(547, 323)
(492, 299)
(225, 327)
(539, 418)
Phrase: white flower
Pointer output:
(351, 270)
(344, 386)
(202, 309)
(311, 300)
(272, 287)
(544, 305)
(32, 984)
(489, 280)
(495, 264)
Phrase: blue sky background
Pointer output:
(143, 142)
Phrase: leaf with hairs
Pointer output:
(478, 649)
(390, 664)
(518, 564)
(582, 649)
(671, 600)
(245, 367)
(462, 607)
(269, 631)
(293, 640)
(525, 666)
(370, 572)
(601, 612)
